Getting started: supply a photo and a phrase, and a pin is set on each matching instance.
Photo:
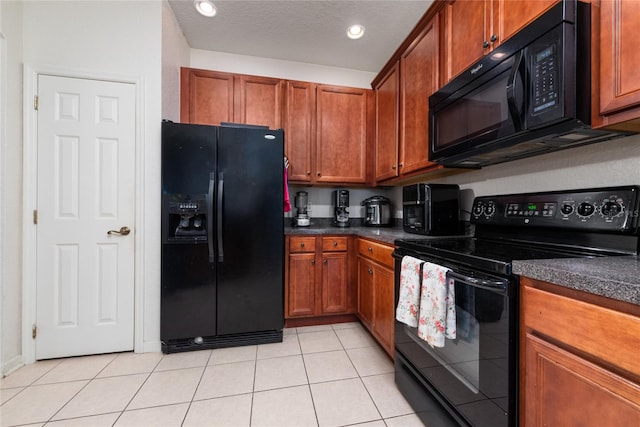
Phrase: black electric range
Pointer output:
(472, 380)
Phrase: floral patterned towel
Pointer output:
(409, 294)
(437, 318)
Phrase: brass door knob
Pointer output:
(124, 231)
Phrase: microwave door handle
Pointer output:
(515, 90)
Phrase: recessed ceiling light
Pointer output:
(355, 31)
(205, 7)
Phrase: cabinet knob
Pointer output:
(308, 172)
(335, 244)
(318, 173)
(485, 44)
(302, 245)
(401, 164)
(370, 249)
(313, 262)
(494, 38)
(370, 271)
(324, 261)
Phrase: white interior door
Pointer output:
(86, 159)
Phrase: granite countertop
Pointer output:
(612, 277)
(381, 234)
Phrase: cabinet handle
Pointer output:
(494, 38)
(370, 272)
(313, 262)
(308, 172)
(370, 250)
(335, 244)
(393, 167)
(324, 261)
(302, 245)
(401, 164)
(318, 173)
(485, 44)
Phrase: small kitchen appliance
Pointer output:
(377, 212)
(301, 202)
(431, 209)
(340, 200)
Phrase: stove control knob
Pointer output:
(611, 209)
(477, 209)
(586, 209)
(566, 209)
(490, 209)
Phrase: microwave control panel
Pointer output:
(606, 209)
(545, 78)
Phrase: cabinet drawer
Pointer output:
(334, 244)
(298, 244)
(376, 251)
(587, 327)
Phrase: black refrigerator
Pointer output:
(222, 236)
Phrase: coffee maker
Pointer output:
(301, 202)
(340, 200)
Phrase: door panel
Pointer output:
(85, 276)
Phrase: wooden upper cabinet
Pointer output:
(211, 97)
(465, 31)
(387, 121)
(619, 61)
(341, 134)
(419, 78)
(206, 97)
(299, 120)
(475, 28)
(259, 101)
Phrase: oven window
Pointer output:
(481, 111)
(472, 370)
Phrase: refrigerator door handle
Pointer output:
(220, 241)
(212, 258)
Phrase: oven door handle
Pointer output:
(490, 284)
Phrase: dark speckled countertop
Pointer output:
(612, 277)
(380, 234)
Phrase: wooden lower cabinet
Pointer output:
(579, 359)
(376, 291)
(317, 277)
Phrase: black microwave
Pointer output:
(529, 96)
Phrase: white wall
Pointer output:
(175, 54)
(231, 63)
(11, 182)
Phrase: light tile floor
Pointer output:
(332, 375)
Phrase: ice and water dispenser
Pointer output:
(186, 218)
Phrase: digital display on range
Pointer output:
(545, 210)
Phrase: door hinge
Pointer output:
(35, 102)
(35, 216)
(34, 331)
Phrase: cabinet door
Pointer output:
(206, 97)
(334, 282)
(365, 291)
(387, 120)
(563, 389)
(300, 111)
(419, 79)
(509, 16)
(341, 143)
(619, 56)
(465, 32)
(259, 101)
(383, 306)
(301, 287)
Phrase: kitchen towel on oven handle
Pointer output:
(437, 315)
(409, 292)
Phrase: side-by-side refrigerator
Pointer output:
(222, 236)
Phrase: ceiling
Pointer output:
(310, 31)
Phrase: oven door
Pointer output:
(473, 377)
